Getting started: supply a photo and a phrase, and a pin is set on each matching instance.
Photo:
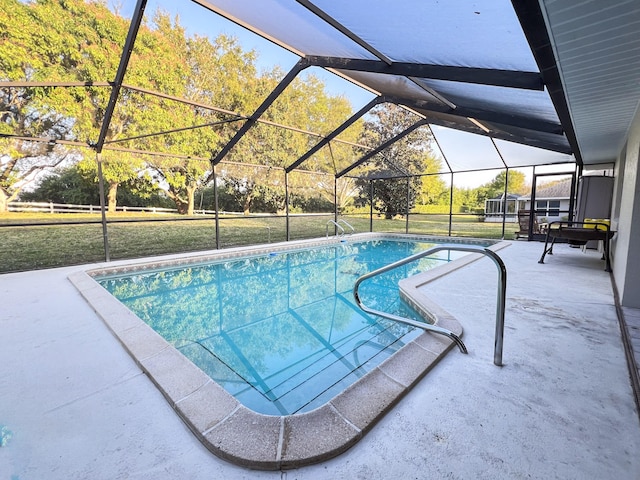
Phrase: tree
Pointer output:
(118, 168)
(72, 185)
(318, 189)
(328, 162)
(28, 112)
(80, 41)
(217, 73)
(304, 105)
(183, 178)
(157, 63)
(433, 189)
(53, 40)
(20, 164)
(253, 188)
(73, 40)
(470, 197)
(67, 185)
(517, 183)
(399, 163)
(495, 188)
(323, 113)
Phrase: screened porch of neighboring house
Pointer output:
(497, 209)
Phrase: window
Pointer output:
(548, 208)
(495, 206)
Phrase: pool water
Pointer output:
(280, 331)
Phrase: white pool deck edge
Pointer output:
(73, 403)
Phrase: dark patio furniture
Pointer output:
(524, 222)
(577, 233)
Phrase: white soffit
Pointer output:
(597, 45)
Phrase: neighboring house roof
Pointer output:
(561, 189)
(510, 196)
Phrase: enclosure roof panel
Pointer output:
(392, 85)
(455, 146)
(465, 65)
(487, 34)
(290, 25)
(518, 155)
(530, 103)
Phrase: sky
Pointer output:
(197, 20)
(462, 150)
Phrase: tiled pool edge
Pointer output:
(232, 431)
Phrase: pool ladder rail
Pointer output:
(339, 227)
(502, 289)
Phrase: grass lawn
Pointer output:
(27, 245)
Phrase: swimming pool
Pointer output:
(281, 331)
(223, 424)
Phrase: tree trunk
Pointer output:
(181, 206)
(111, 197)
(247, 204)
(4, 201)
(191, 192)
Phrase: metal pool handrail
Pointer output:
(502, 289)
(337, 226)
(343, 221)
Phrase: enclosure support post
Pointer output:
(450, 203)
(215, 204)
(335, 200)
(435, 139)
(286, 204)
(406, 226)
(105, 234)
(532, 210)
(370, 205)
(574, 193)
(506, 186)
(504, 202)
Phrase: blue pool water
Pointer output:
(280, 331)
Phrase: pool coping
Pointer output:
(234, 432)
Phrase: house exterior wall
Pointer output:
(564, 208)
(626, 220)
(526, 205)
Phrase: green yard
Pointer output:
(25, 245)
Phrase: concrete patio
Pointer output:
(74, 405)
